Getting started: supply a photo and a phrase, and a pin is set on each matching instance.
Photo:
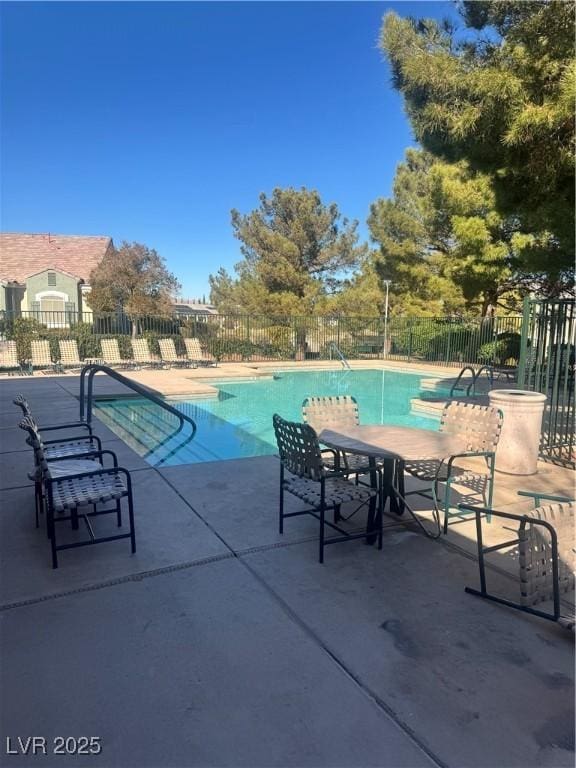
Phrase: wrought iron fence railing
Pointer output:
(441, 340)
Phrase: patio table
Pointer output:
(393, 446)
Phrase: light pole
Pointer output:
(385, 350)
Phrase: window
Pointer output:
(52, 304)
(52, 278)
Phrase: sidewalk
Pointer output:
(222, 643)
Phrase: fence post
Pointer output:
(448, 344)
(409, 339)
(524, 341)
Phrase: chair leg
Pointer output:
(74, 521)
(281, 507)
(52, 529)
(322, 513)
(37, 501)
(321, 541)
(337, 510)
(131, 519)
(118, 512)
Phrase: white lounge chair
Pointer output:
(170, 356)
(197, 355)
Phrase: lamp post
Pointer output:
(385, 350)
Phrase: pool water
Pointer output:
(238, 422)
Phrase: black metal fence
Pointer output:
(442, 340)
(548, 356)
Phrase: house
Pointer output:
(193, 308)
(48, 275)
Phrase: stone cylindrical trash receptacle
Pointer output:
(517, 452)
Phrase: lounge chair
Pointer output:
(142, 356)
(197, 355)
(69, 357)
(304, 475)
(73, 486)
(169, 355)
(42, 358)
(111, 354)
(480, 426)
(546, 558)
(9, 358)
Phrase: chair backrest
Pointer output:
(535, 553)
(479, 425)
(193, 349)
(41, 352)
(22, 403)
(331, 412)
(69, 351)
(141, 350)
(167, 349)
(110, 350)
(9, 354)
(29, 425)
(299, 448)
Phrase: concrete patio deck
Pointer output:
(221, 643)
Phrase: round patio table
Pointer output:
(392, 444)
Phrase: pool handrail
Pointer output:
(471, 388)
(334, 347)
(86, 398)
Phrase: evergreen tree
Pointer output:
(500, 97)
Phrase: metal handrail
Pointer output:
(336, 348)
(454, 386)
(475, 376)
(86, 397)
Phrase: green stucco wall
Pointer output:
(39, 284)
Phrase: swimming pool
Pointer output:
(238, 422)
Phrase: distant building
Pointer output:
(48, 274)
(188, 307)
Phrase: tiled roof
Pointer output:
(25, 255)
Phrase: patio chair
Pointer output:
(335, 412)
(70, 488)
(69, 357)
(169, 355)
(111, 354)
(197, 355)
(42, 357)
(77, 448)
(304, 475)
(546, 558)
(142, 356)
(9, 358)
(480, 426)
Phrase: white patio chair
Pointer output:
(480, 426)
(42, 357)
(197, 355)
(142, 356)
(111, 354)
(546, 558)
(9, 358)
(169, 355)
(69, 357)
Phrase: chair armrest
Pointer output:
(86, 455)
(76, 424)
(88, 438)
(465, 454)
(537, 496)
(94, 473)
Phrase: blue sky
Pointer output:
(150, 121)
